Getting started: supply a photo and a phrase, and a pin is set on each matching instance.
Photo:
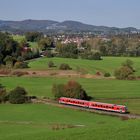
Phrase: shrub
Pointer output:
(48, 54)
(65, 67)
(107, 74)
(18, 95)
(50, 64)
(91, 55)
(129, 63)
(123, 73)
(3, 94)
(5, 71)
(58, 90)
(34, 72)
(72, 89)
(19, 73)
(68, 51)
(98, 73)
(131, 77)
(21, 65)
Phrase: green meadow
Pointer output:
(19, 38)
(104, 90)
(46, 122)
(43, 122)
(108, 64)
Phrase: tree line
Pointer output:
(13, 53)
(116, 46)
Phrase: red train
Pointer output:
(93, 105)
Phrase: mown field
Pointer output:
(43, 122)
(108, 64)
(113, 91)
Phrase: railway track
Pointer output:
(55, 103)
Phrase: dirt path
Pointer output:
(48, 73)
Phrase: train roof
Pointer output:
(108, 104)
(93, 102)
(74, 99)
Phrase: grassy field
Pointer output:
(19, 38)
(45, 122)
(108, 64)
(40, 122)
(113, 91)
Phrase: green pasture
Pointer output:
(113, 91)
(108, 64)
(19, 38)
(43, 122)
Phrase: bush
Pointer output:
(65, 67)
(123, 73)
(50, 64)
(68, 51)
(48, 54)
(3, 94)
(131, 77)
(98, 73)
(21, 65)
(129, 63)
(19, 73)
(72, 89)
(91, 55)
(58, 90)
(107, 74)
(5, 71)
(18, 96)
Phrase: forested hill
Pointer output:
(47, 26)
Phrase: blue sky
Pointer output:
(119, 13)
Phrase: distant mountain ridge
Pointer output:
(47, 26)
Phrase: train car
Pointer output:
(93, 105)
(75, 102)
(108, 107)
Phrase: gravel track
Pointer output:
(55, 103)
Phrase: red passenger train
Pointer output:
(93, 105)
